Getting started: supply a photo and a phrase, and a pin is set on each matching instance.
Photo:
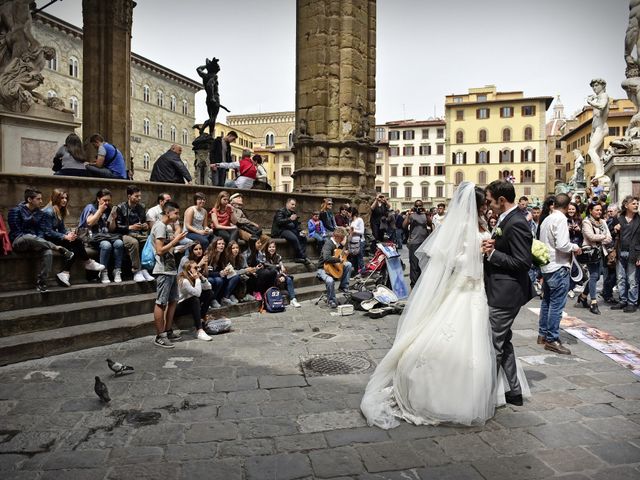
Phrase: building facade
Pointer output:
(410, 164)
(273, 140)
(495, 135)
(578, 137)
(555, 128)
(162, 101)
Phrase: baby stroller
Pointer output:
(375, 272)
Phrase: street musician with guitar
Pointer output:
(333, 265)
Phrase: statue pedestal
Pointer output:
(623, 171)
(28, 141)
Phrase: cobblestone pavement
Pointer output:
(239, 407)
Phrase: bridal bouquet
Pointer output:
(540, 253)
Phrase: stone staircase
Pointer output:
(35, 325)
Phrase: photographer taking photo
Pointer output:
(420, 227)
(379, 210)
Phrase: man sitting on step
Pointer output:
(333, 265)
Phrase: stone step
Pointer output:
(38, 344)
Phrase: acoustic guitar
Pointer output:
(336, 270)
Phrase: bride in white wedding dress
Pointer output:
(442, 367)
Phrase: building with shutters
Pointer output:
(496, 135)
(410, 162)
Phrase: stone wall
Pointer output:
(260, 205)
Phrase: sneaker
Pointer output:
(557, 347)
(41, 286)
(234, 300)
(203, 336)
(163, 341)
(619, 306)
(104, 277)
(117, 275)
(139, 277)
(147, 276)
(572, 294)
(226, 302)
(93, 266)
(174, 334)
(67, 254)
(257, 296)
(295, 303)
(63, 279)
(248, 298)
(215, 304)
(344, 290)
(333, 304)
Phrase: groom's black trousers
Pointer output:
(501, 321)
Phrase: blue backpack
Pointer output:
(273, 301)
(148, 257)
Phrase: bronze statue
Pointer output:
(209, 74)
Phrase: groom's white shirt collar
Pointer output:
(504, 215)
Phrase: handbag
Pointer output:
(354, 245)
(590, 255)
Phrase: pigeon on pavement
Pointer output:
(102, 391)
(119, 368)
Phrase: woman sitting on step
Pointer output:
(283, 280)
(55, 231)
(194, 296)
(235, 284)
(216, 271)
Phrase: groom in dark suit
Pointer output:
(507, 260)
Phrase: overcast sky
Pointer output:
(426, 49)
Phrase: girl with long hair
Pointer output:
(55, 231)
(274, 261)
(264, 277)
(70, 158)
(216, 270)
(236, 282)
(195, 221)
(223, 219)
(194, 296)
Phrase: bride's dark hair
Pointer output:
(481, 198)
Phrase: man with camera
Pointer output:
(419, 223)
(286, 224)
(379, 211)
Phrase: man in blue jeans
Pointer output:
(327, 257)
(554, 233)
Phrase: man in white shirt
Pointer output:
(154, 214)
(554, 233)
(439, 215)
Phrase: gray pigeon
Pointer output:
(102, 391)
(119, 368)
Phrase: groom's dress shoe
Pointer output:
(557, 347)
(514, 399)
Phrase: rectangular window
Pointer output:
(407, 192)
(286, 171)
(394, 135)
(457, 99)
(459, 114)
(558, 144)
(425, 191)
(408, 150)
(424, 170)
(440, 133)
(482, 113)
(482, 98)
(614, 131)
(558, 174)
(506, 112)
(394, 170)
(528, 110)
(378, 189)
(439, 171)
(558, 159)
(440, 149)
(378, 169)
(425, 133)
(527, 190)
(440, 191)
(406, 171)
(379, 134)
(408, 134)
(425, 149)
(285, 187)
(394, 151)
(286, 158)
(393, 192)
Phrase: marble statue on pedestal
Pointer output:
(631, 84)
(599, 101)
(577, 180)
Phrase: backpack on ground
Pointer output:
(273, 301)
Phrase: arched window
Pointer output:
(160, 98)
(269, 139)
(528, 155)
(482, 177)
(73, 105)
(185, 107)
(459, 136)
(482, 157)
(290, 139)
(160, 130)
(146, 126)
(506, 135)
(506, 156)
(408, 191)
(172, 103)
(440, 189)
(506, 174)
(173, 133)
(185, 137)
(528, 133)
(74, 69)
(146, 161)
(526, 176)
(53, 63)
(459, 158)
(146, 93)
(482, 136)
(459, 177)
(424, 187)
(51, 94)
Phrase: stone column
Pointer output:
(106, 71)
(335, 97)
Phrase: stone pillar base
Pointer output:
(28, 141)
